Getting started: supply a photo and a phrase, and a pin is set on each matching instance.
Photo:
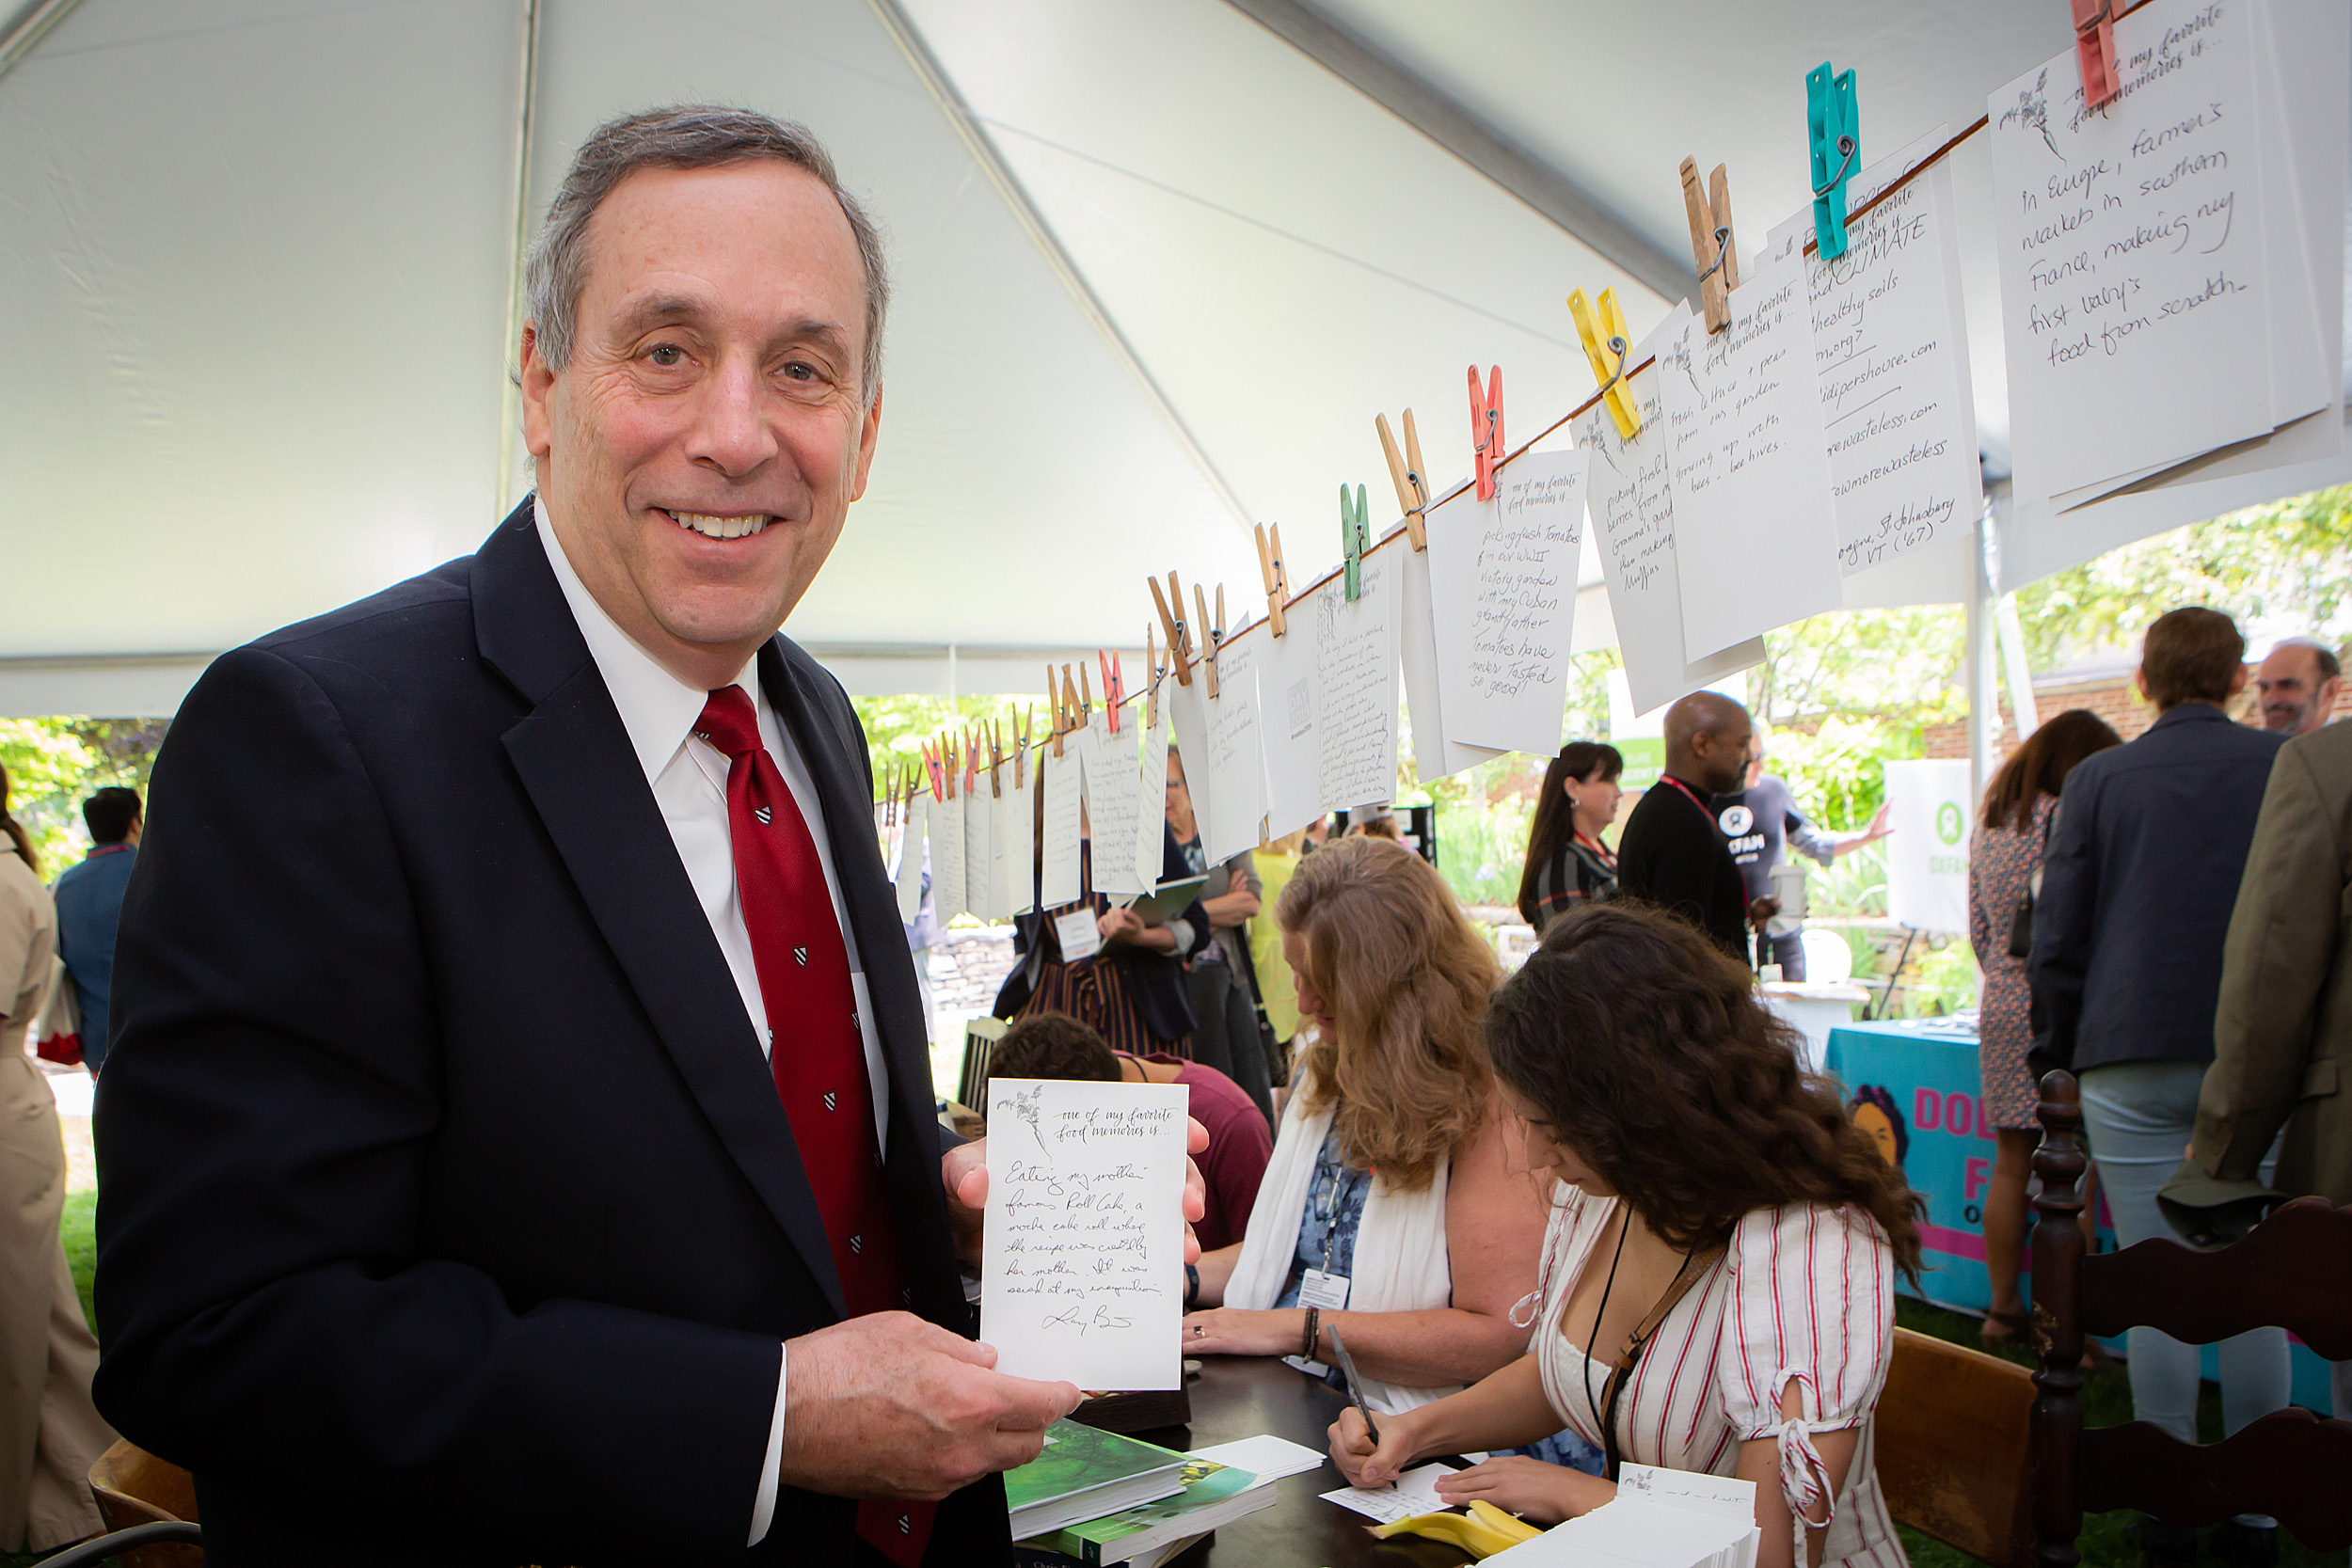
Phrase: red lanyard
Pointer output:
(1688, 795)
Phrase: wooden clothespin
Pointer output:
(1487, 430)
(995, 759)
(1278, 587)
(2094, 47)
(1114, 687)
(1711, 248)
(1154, 672)
(1053, 708)
(1074, 713)
(1172, 623)
(1607, 341)
(1209, 633)
(1355, 534)
(1024, 730)
(1834, 131)
(1405, 472)
(1086, 695)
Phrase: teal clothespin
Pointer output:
(1834, 132)
(1354, 539)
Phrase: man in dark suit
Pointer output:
(519, 1142)
(2128, 932)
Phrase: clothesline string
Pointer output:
(1591, 403)
(1811, 247)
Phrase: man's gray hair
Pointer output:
(685, 135)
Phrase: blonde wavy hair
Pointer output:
(1408, 980)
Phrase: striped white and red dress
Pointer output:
(1803, 1295)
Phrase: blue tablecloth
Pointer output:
(1920, 1077)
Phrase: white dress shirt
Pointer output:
(689, 779)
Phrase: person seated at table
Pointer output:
(1394, 1210)
(1716, 1288)
(1055, 1045)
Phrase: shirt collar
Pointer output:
(657, 709)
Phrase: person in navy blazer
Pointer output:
(2125, 975)
(450, 1213)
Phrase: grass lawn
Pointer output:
(2107, 1400)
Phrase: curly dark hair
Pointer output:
(1633, 1040)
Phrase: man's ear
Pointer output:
(537, 379)
(869, 427)
(2139, 681)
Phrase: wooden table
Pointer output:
(1236, 1397)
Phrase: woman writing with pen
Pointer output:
(1716, 1291)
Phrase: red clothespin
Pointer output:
(1114, 686)
(971, 764)
(930, 761)
(1487, 430)
(2094, 46)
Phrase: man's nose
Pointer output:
(731, 432)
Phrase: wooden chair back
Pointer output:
(979, 1037)
(1950, 1437)
(2294, 1271)
(133, 1488)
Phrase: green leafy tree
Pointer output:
(55, 764)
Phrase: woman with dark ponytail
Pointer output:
(1566, 862)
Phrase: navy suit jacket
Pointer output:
(449, 1213)
(89, 902)
(2143, 869)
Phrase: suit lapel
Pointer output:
(574, 759)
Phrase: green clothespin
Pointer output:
(1354, 539)
(1834, 133)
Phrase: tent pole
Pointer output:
(935, 80)
(511, 393)
(28, 27)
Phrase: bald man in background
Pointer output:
(2298, 683)
(1670, 854)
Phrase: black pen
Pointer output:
(1354, 1388)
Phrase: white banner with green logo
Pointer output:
(1930, 812)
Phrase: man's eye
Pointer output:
(800, 370)
(667, 356)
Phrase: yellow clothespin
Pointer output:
(1278, 587)
(1209, 630)
(1607, 343)
(1711, 247)
(1172, 623)
(1410, 477)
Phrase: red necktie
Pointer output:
(816, 1053)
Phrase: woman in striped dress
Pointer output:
(1722, 1233)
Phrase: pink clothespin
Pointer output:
(930, 761)
(1487, 430)
(1113, 685)
(2094, 46)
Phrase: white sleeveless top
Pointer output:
(1805, 1294)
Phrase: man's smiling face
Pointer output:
(700, 452)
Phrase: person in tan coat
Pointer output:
(2283, 1029)
(50, 1431)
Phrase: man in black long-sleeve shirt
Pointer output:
(1671, 854)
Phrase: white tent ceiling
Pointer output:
(1157, 264)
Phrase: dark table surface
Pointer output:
(1241, 1397)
